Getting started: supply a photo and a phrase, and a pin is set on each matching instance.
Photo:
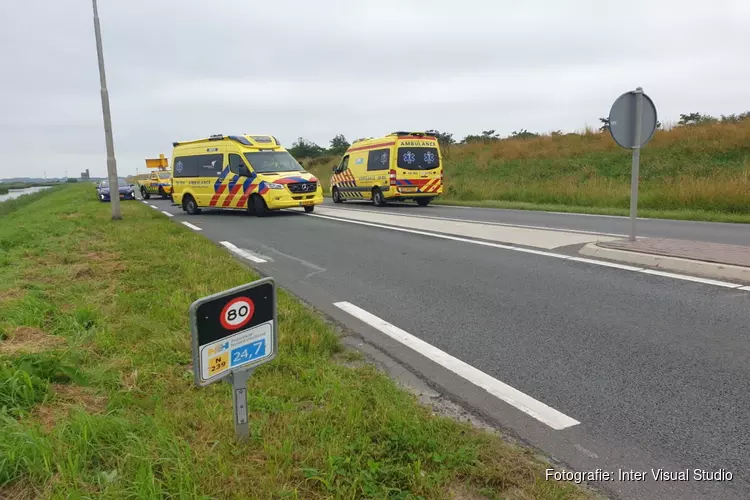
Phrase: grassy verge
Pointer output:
(98, 400)
(698, 172)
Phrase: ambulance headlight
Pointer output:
(273, 185)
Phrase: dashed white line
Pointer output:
(144, 201)
(167, 214)
(191, 226)
(560, 256)
(154, 206)
(745, 288)
(242, 252)
(513, 397)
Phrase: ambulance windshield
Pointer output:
(264, 162)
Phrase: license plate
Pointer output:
(307, 203)
(408, 189)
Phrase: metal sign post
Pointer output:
(239, 380)
(636, 161)
(234, 332)
(632, 123)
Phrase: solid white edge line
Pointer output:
(191, 226)
(443, 236)
(602, 263)
(154, 206)
(167, 214)
(441, 205)
(513, 397)
(606, 264)
(488, 223)
(242, 253)
(685, 277)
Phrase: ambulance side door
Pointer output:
(358, 169)
(378, 165)
(212, 175)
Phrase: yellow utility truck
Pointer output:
(159, 181)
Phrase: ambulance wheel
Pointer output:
(190, 206)
(260, 209)
(309, 209)
(145, 194)
(377, 198)
(336, 195)
(423, 202)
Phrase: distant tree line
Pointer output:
(304, 148)
(693, 119)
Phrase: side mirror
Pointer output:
(132, 185)
(243, 170)
(333, 168)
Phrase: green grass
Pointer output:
(100, 400)
(697, 172)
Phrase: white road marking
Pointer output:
(560, 256)
(242, 252)
(442, 205)
(489, 223)
(154, 206)
(707, 281)
(606, 264)
(745, 288)
(191, 226)
(144, 201)
(513, 397)
(167, 214)
(537, 237)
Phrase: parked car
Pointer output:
(127, 191)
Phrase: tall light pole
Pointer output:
(114, 190)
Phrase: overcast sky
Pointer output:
(180, 70)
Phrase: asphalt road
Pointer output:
(655, 369)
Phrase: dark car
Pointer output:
(127, 191)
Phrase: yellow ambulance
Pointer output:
(240, 172)
(399, 166)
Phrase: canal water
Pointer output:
(15, 193)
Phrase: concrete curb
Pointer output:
(689, 266)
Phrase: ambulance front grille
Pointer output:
(303, 187)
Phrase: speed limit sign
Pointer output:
(237, 313)
(233, 330)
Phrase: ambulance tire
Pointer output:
(190, 206)
(377, 198)
(260, 209)
(336, 195)
(145, 193)
(423, 202)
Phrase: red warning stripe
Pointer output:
(246, 195)
(233, 192)
(215, 197)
